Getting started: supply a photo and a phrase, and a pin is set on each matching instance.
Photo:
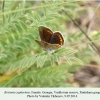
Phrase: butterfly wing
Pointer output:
(42, 43)
(57, 38)
(45, 34)
(48, 46)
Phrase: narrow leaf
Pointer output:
(68, 60)
(77, 60)
(9, 53)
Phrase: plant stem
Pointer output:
(3, 3)
(93, 44)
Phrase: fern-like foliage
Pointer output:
(41, 78)
(18, 50)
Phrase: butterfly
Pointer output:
(49, 41)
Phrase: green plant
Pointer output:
(18, 50)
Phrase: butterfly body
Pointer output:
(49, 41)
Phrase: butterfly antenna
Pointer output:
(93, 45)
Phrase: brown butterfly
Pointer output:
(49, 41)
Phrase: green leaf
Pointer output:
(2, 55)
(23, 46)
(68, 60)
(48, 5)
(25, 62)
(72, 5)
(9, 53)
(44, 9)
(53, 15)
(77, 60)
(52, 60)
(38, 61)
(18, 48)
(20, 31)
(24, 26)
(29, 37)
(10, 38)
(4, 43)
(5, 59)
(16, 35)
(46, 19)
(60, 51)
(80, 35)
(37, 16)
(57, 57)
(71, 52)
(43, 59)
